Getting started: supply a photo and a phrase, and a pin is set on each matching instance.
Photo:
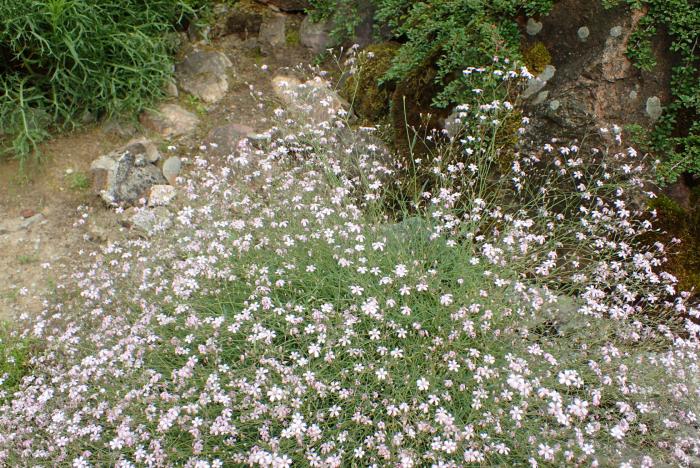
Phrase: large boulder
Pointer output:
(203, 73)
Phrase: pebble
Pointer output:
(27, 213)
(171, 169)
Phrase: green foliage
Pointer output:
(63, 59)
(676, 137)
(454, 32)
(78, 181)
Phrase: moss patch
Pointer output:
(537, 57)
(675, 221)
(369, 99)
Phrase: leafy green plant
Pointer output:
(62, 59)
(676, 136)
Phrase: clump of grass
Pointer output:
(306, 311)
(78, 181)
(63, 59)
(15, 356)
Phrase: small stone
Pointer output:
(202, 73)
(533, 27)
(69, 171)
(171, 169)
(554, 105)
(32, 221)
(616, 31)
(27, 213)
(583, 33)
(170, 120)
(147, 220)
(653, 108)
(145, 148)
(633, 94)
(161, 195)
(171, 89)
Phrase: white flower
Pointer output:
(422, 384)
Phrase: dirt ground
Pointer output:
(37, 262)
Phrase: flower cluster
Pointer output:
(302, 311)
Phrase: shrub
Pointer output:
(63, 60)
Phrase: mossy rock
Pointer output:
(368, 98)
(684, 260)
(536, 58)
(412, 114)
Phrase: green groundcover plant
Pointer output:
(65, 61)
(302, 311)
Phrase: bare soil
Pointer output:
(37, 263)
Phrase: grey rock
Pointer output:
(143, 148)
(202, 73)
(316, 36)
(616, 31)
(32, 221)
(125, 175)
(554, 105)
(161, 195)
(223, 140)
(171, 169)
(633, 95)
(653, 108)
(273, 30)
(583, 33)
(127, 182)
(147, 220)
(170, 120)
(533, 27)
